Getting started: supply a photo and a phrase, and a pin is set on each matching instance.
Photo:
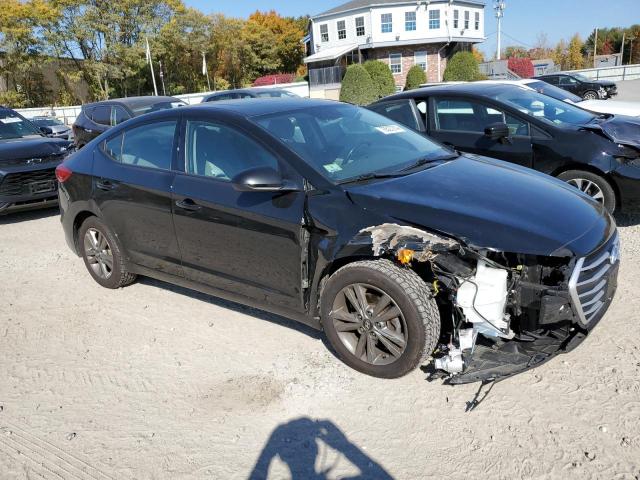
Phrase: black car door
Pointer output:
(570, 84)
(460, 122)
(132, 186)
(246, 243)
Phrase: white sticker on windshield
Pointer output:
(390, 129)
(332, 168)
(11, 120)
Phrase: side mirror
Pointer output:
(262, 179)
(497, 131)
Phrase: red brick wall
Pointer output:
(408, 56)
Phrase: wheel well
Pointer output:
(588, 168)
(77, 223)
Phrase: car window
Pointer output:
(225, 96)
(102, 114)
(218, 151)
(565, 80)
(458, 115)
(156, 107)
(119, 115)
(148, 146)
(554, 92)
(401, 112)
(12, 125)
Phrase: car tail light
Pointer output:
(63, 173)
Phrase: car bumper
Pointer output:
(627, 180)
(27, 187)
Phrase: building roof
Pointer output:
(358, 4)
(330, 53)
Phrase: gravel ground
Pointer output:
(155, 382)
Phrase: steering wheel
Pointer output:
(348, 158)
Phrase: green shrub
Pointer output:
(415, 78)
(463, 67)
(357, 86)
(382, 78)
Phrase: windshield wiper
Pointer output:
(427, 160)
(371, 176)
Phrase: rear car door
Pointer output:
(460, 122)
(247, 243)
(132, 175)
(569, 84)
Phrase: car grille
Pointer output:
(32, 161)
(17, 184)
(593, 281)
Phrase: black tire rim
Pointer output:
(369, 324)
(98, 253)
(590, 96)
(590, 188)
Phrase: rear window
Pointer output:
(149, 146)
(101, 114)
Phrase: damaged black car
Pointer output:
(401, 249)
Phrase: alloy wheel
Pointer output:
(369, 324)
(588, 187)
(99, 254)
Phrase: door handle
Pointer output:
(106, 185)
(188, 205)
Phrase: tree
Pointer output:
(415, 78)
(357, 86)
(288, 33)
(515, 51)
(575, 58)
(382, 78)
(559, 55)
(523, 67)
(462, 67)
(477, 54)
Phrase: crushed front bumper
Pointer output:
(27, 187)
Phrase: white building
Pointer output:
(400, 33)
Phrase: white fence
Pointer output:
(68, 114)
(615, 74)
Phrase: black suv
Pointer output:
(27, 163)
(582, 86)
(244, 93)
(597, 153)
(347, 221)
(96, 118)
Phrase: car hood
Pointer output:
(31, 147)
(58, 128)
(491, 204)
(615, 107)
(619, 129)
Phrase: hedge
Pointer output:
(415, 77)
(382, 78)
(357, 86)
(463, 67)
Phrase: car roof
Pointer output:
(471, 88)
(135, 102)
(259, 106)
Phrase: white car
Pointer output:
(614, 107)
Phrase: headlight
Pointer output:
(627, 154)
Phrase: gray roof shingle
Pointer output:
(355, 4)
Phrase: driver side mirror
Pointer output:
(262, 179)
(497, 131)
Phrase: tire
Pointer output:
(103, 255)
(418, 322)
(593, 185)
(590, 95)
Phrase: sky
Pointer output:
(523, 22)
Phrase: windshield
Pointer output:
(553, 91)
(274, 93)
(582, 78)
(13, 125)
(543, 107)
(46, 122)
(157, 106)
(344, 142)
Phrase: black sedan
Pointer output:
(96, 118)
(340, 218)
(245, 93)
(27, 163)
(599, 154)
(586, 88)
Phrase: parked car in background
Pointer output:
(27, 164)
(581, 86)
(340, 218)
(245, 93)
(96, 118)
(52, 127)
(599, 154)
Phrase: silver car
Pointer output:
(53, 127)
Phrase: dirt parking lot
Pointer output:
(157, 382)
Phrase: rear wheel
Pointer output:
(102, 255)
(593, 185)
(590, 95)
(380, 319)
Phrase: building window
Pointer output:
(477, 23)
(360, 32)
(342, 30)
(466, 20)
(420, 59)
(456, 18)
(324, 33)
(387, 22)
(434, 19)
(410, 21)
(395, 62)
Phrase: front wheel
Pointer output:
(593, 185)
(590, 95)
(381, 319)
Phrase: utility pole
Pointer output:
(499, 7)
(624, 34)
(164, 90)
(595, 48)
(631, 40)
